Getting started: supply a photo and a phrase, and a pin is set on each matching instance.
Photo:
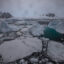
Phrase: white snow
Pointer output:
(56, 51)
(19, 48)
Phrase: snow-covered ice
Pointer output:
(34, 60)
(37, 30)
(19, 48)
(26, 44)
(5, 27)
(56, 51)
(14, 27)
(20, 22)
(58, 25)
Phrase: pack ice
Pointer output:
(58, 25)
(37, 30)
(56, 51)
(19, 48)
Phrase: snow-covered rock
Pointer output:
(19, 48)
(56, 51)
(37, 30)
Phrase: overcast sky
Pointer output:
(32, 8)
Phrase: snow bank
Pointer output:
(56, 51)
(19, 48)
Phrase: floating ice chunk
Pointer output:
(58, 25)
(34, 60)
(19, 48)
(20, 23)
(5, 27)
(56, 51)
(14, 27)
(37, 30)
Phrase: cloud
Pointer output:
(33, 7)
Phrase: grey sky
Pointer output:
(32, 8)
